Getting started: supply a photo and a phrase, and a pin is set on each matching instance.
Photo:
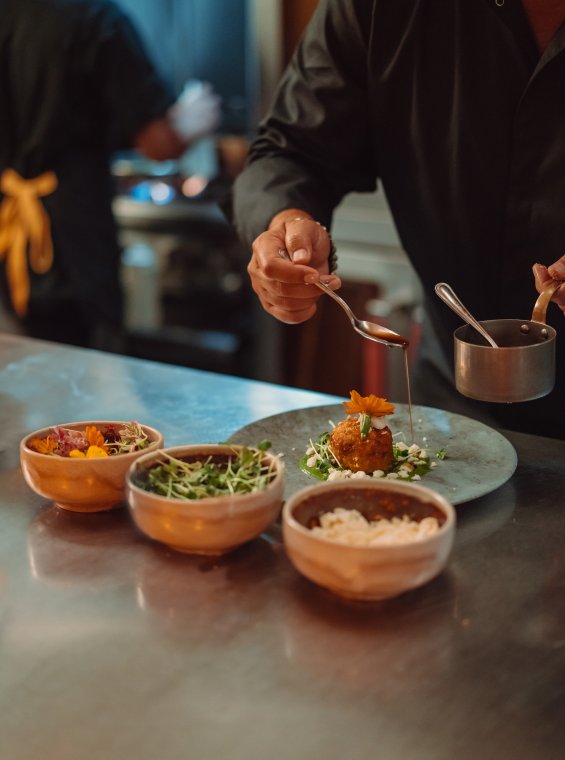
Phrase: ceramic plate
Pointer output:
(479, 459)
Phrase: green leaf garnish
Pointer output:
(364, 425)
(319, 460)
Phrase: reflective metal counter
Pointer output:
(115, 647)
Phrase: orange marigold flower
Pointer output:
(95, 437)
(371, 405)
(96, 451)
(42, 445)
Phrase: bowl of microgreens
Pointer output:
(206, 498)
(82, 466)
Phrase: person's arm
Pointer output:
(159, 141)
(195, 113)
(313, 145)
(136, 107)
(311, 150)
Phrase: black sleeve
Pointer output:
(128, 88)
(313, 146)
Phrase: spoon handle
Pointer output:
(447, 294)
(337, 298)
(283, 253)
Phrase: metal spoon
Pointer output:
(369, 330)
(446, 293)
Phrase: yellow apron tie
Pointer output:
(24, 226)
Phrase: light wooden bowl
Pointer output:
(367, 572)
(212, 525)
(81, 485)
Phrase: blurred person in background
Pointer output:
(76, 85)
(457, 109)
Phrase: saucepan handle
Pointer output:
(540, 306)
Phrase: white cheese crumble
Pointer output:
(377, 422)
(350, 527)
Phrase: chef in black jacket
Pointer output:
(76, 84)
(457, 109)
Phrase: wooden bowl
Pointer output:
(367, 572)
(212, 525)
(81, 485)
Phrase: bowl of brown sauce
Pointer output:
(366, 539)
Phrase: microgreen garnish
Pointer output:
(410, 462)
(319, 458)
(364, 425)
(244, 471)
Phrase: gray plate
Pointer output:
(479, 459)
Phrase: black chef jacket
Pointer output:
(75, 85)
(450, 106)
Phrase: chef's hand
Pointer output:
(544, 276)
(286, 260)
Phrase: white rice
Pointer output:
(350, 527)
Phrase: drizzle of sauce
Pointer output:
(407, 372)
(396, 340)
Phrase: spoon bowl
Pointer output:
(369, 330)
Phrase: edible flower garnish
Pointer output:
(95, 437)
(367, 407)
(371, 405)
(43, 445)
(92, 442)
(92, 452)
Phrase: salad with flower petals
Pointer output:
(110, 440)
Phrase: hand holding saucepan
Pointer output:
(544, 276)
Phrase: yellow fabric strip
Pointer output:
(25, 230)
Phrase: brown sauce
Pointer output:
(386, 335)
(408, 391)
(370, 503)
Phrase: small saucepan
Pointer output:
(521, 368)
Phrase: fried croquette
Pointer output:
(374, 452)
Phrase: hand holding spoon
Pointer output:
(369, 330)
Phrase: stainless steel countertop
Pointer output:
(115, 647)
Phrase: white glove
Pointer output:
(197, 111)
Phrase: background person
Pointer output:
(76, 85)
(457, 109)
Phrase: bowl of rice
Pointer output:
(368, 540)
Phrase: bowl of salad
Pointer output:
(82, 466)
(206, 498)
